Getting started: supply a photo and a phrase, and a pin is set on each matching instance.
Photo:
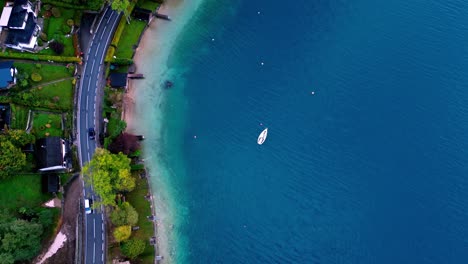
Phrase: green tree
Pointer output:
(12, 159)
(109, 174)
(19, 137)
(124, 214)
(121, 6)
(133, 248)
(20, 240)
(122, 233)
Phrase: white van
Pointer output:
(87, 206)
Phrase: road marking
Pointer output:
(92, 67)
(94, 227)
(98, 47)
(94, 252)
(89, 158)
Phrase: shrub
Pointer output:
(55, 12)
(66, 29)
(38, 65)
(36, 57)
(43, 36)
(70, 22)
(40, 42)
(36, 77)
(57, 47)
(47, 14)
(47, 7)
(124, 214)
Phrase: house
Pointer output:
(7, 75)
(50, 183)
(18, 26)
(5, 114)
(118, 80)
(52, 154)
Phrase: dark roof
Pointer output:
(5, 74)
(118, 79)
(49, 152)
(141, 13)
(50, 182)
(18, 15)
(16, 36)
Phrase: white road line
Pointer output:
(102, 256)
(89, 158)
(94, 227)
(89, 83)
(98, 47)
(94, 252)
(87, 144)
(92, 67)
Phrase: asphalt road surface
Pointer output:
(89, 101)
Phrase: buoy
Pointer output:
(258, 12)
(312, 92)
(212, 39)
(194, 136)
(261, 124)
(262, 63)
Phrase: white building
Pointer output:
(18, 26)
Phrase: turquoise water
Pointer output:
(366, 107)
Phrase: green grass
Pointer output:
(59, 94)
(137, 199)
(132, 33)
(22, 190)
(19, 117)
(54, 31)
(151, 5)
(47, 71)
(40, 125)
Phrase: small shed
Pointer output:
(118, 80)
(142, 14)
(7, 74)
(50, 183)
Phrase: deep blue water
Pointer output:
(371, 168)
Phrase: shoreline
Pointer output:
(142, 118)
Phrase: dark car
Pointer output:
(91, 133)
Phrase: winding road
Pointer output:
(88, 115)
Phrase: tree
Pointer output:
(124, 214)
(122, 233)
(57, 47)
(21, 240)
(12, 159)
(109, 174)
(125, 143)
(121, 6)
(19, 137)
(133, 248)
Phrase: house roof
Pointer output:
(16, 36)
(50, 182)
(18, 15)
(5, 74)
(118, 79)
(49, 152)
(5, 16)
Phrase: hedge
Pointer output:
(118, 31)
(110, 54)
(66, 5)
(38, 57)
(122, 61)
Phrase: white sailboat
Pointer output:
(262, 136)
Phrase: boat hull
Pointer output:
(262, 137)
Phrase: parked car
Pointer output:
(91, 133)
(87, 205)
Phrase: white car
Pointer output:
(87, 206)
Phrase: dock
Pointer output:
(162, 16)
(135, 76)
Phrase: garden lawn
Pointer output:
(54, 31)
(22, 191)
(137, 199)
(60, 94)
(19, 117)
(131, 34)
(41, 121)
(48, 72)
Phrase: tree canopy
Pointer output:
(121, 6)
(125, 143)
(122, 233)
(124, 214)
(133, 248)
(109, 174)
(20, 240)
(12, 159)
